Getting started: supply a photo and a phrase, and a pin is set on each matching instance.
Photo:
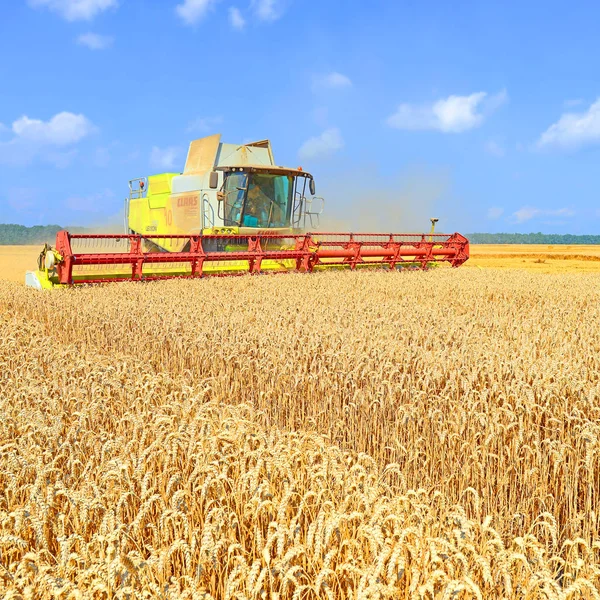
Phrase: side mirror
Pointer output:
(213, 180)
(312, 187)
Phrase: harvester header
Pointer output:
(231, 211)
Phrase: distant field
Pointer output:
(15, 260)
(534, 257)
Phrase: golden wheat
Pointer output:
(427, 435)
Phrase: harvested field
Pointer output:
(335, 435)
(538, 258)
(15, 260)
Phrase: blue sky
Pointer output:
(486, 115)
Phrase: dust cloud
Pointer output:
(402, 203)
(114, 223)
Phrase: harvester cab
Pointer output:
(271, 198)
(224, 189)
(232, 211)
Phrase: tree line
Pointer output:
(42, 234)
(18, 235)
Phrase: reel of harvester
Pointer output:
(87, 259)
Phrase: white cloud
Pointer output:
(164, 158)
(268, 10)
(495, 212)
(193, 11)
(61, 130)
(323, 145)
(236, 19)
(495, 149)
(95, 41)
(204, 124)
(47, 140)
(573, 130)
(526, 213)
(454, 114)
(75, 10)
(333, 80)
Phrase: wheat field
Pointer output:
(336, 435)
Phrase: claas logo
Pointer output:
(187, 201)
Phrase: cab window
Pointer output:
(268, 202)
(235, 189)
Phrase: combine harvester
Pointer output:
(232, 211)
